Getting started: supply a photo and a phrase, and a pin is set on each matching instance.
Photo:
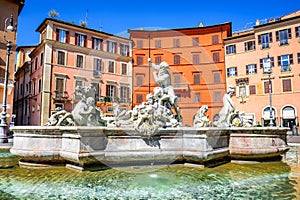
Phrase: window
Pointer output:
(196, 59)
(264, 62)
(139, 98)
(111, 66)
(176, 60)
(250, 45)
(97, 89)
(42, 59)
(36, 63)
(40, 85)
(232, 71)
(97, 43)
(97, 66)
(283, 36)
(251, 69)
(111, 91)
(80, 40)
(139, 80)
(286, 85)
(59, 87)
(242, 91)
(140, 44)
(216, 57)
(139, 60)
(252, 89)
(78, 82)
(124, 97)
(297, 31)
(195, 41)
(60, 57)
(124, 49)
(176, 43)
(111, 47)
(285, 61)
(79, 61)
(215, 39)
(217, 77)
(62, 35)
(157, 60)
(177, 80)
(265, 40)
(124, 69)
(34, 87)
(196, 78)
(157, 43)
(230, 49)
(266, 87)
(217, 96)
(178, 99)
(197, 98)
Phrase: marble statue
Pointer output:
(200, 118)
(228, 113)
(163, 78)
(84, 113)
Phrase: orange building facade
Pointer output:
(247, 54)
(68, 56)
(197, 65)
(8, 8)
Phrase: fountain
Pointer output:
(146, 153)
(149, 134)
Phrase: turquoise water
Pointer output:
(269, 180)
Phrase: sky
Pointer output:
(117, 16)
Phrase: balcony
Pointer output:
(60, 96)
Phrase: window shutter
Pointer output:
(245, 46)
(259, 39)
(236, 72)
(297, 31)
(279, 60)
(289, 33)
(228, 72)
(226, 50)
(277, 35)
(298, 55)
(57, 34)
(272, 61)
(261, 63)
(85, 41)
(247, 69)
(93, 43)
(67, 37)
(255, 68)
(270, 35)
(291, 59)
(76, 39)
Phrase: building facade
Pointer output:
(22, 86)
(275, 43)
(8, 8)
(197, 65)
(68, 56)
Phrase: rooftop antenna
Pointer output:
(86, 15)
(101, 26)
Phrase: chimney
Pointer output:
(200, 24)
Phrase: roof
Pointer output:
(47, 20)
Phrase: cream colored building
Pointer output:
(246, 54)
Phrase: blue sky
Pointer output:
(117, 16)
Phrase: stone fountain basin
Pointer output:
(110, 146)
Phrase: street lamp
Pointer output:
(268, 70)
(3, 123)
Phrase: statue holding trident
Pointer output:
(163, 78)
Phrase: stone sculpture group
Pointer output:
(156, 112)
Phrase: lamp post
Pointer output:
(268, 69)
(3, 123)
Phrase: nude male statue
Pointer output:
(163, 79)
